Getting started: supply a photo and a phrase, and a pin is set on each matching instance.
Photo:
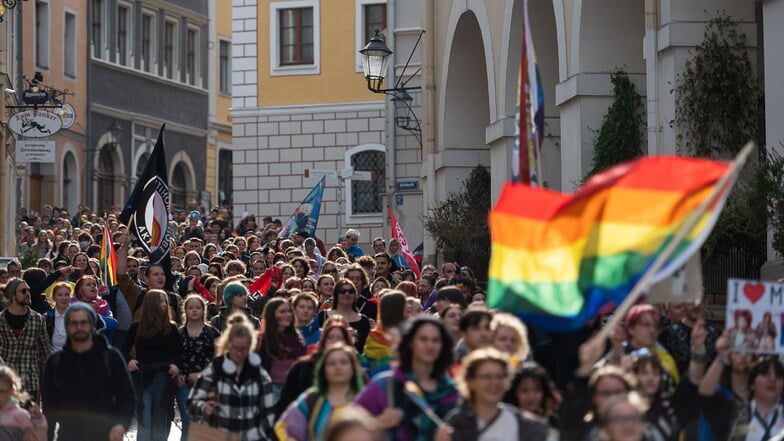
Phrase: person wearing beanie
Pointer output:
(235, 297)
(95, 406)
(194, 228)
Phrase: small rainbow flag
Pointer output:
(557, 259)
(108, 257)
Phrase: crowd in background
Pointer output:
(291, 339)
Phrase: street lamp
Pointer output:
(115, 130)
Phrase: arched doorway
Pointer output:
(466, 105)
(182, 181)
(179, 187)
(106, 177)
(70, 184)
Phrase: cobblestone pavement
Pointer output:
(174, 433)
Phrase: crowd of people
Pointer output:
(339, 344)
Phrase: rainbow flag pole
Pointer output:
(648, 278)
(108, 257)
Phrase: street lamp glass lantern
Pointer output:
(375, 61)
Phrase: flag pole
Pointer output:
(662, 258)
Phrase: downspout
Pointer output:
(88, 152)
(652, 78)
(390, 112)
(428, 80)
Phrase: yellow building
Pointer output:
(301, 110)
(218, 178)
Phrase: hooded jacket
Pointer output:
(87, 393)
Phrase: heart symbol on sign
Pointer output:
(753, 291)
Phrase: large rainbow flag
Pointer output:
(557, 259)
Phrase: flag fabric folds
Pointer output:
(306, 216)
(108, 257)
(147, 210)
(557, 259)
(397, 233)
(529, 117)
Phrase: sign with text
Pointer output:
(35, 123)
(755, 315)
(34, 150)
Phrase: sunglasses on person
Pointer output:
(346, 291)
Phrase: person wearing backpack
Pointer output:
(86, 387)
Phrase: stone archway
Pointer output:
(468, 103)
(70, 182)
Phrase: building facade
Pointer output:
(148, 65)
(301, 110)
(11, 180)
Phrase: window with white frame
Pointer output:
(124, 37)
(369, 15)
(191, 55)
(294, 37)
(148, 46)
(170, 50)
(365, 192)
(98, 28)
(224, 66)
(69, 45)
(42, 34)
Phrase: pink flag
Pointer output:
(397, 233)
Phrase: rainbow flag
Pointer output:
(530, 122)
(557, 259)
(108, 257)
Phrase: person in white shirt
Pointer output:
(55, 320)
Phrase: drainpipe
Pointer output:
(429, 147)
(390, 112)
(88, 153)
(652, 78)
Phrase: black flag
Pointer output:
(147, 210)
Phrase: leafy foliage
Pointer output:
(717, 93)
(767, 199)
(716, 111)
(621, 136)
(459, 223)
(29, 258)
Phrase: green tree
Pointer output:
(621, 136)
(459, 223)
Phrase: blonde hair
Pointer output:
(236, 326)
(10, 376)
(506, 320)
(633, 398)
(474, 360)
(194, 298)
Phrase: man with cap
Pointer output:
(235, 299)
(24, 342)
(86, 387)
(299, 239)
(194, 228)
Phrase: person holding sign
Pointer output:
(748, 409)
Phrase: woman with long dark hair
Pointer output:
(396, 397)
(338, 379)
(157, 348)
(344, 302)
(281, 345)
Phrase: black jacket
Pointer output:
(463, 420)
(87, 393)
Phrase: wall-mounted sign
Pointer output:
(35, 123)
(34, 150)
(406, 185)
(38, 97)
(67, 115)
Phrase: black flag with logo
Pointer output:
(147, 210)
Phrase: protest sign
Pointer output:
(684, 285)
(755, 315)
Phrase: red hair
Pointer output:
(636, 313)
(745, 313)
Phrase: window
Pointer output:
(225, 177)
(294, 31)
(42, 34)
(124, 34)
(375, 17)
(296, 36)
(191, 59)
(170, 49)
(69, 45)
(225, 66)
(369, 15)
(366, 193)
(148, 42)
(98, 29)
